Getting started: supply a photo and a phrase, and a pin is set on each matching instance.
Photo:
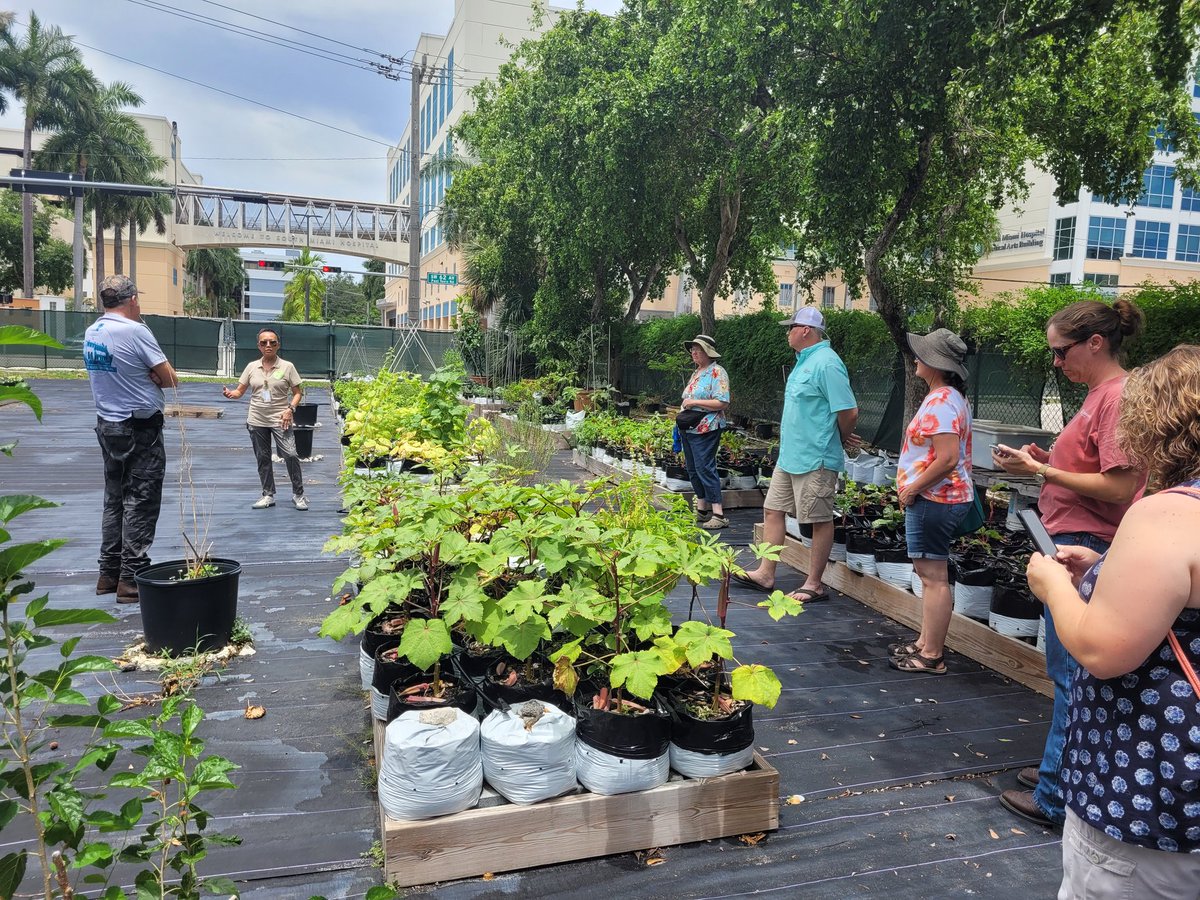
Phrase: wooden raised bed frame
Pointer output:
(508, 836)
(1008, 656)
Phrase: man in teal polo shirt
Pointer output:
(819, 415)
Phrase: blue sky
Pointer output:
(235, 143)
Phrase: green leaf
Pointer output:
(525, 600)
(464, 600)
(638, 672)
(67, 804)
(226, 886)
(96, 854)
(651, 620)
(521, 638)
(703, 641)
(425, 642)
(50, 618)
(8, 810)
(13, 505)
(757, 684)
(381, 892)
(21, 336)
(20, 394)
(190, 719)
(15, 558)
(780, 604)
(129, 728)
(12, 870)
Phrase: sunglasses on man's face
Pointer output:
(268, 343)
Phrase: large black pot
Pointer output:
(861, 541)
(461, 696)
(374, 640)
(645, 736)
(304, 438)
(892, 553)
(305, 415)
(1013, 599)
(182, 614)
(474, 666)
(498, 695)
(717, 735)
(387, 671)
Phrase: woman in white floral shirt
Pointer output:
(707, 390)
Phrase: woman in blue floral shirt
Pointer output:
(1131, 770)
(707, 390)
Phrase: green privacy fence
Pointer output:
(223, 346)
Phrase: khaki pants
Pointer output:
(1098, 867)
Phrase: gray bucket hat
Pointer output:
(942, 349)
(705, 343)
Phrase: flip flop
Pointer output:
(812, 596)
(744, 581)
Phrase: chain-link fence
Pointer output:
(224, 347)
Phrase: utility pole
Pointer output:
(414, 194)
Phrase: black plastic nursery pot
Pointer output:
(974, 573)
(1012, 599)
(498, 694)
(374, 638)
(388, 671)
(304, 440)
(892, 553)
(473, 665)
(727, 734)
(644, 736)
(182, 614)
(677, 473)
(305, 414)
(861, 541)
(457, 696)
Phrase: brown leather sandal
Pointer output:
(918, 663)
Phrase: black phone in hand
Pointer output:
(1037, 532)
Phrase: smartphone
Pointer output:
(999, 450)
(1037, 531)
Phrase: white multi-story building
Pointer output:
(478, 41)
(262, 292)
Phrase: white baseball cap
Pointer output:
(806, 315)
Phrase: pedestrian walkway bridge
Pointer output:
(222, 217)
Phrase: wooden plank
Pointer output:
(507, 837)
(752, 499)
(192, 411)
(1012, 658)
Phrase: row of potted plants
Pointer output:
(489, 589)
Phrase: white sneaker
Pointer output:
(300, 503)
(266, 501)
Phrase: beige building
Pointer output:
(160, 264)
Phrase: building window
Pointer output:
(1064, 238)
(1162, 141)
(1150, 239)
(1190, 201)
(1106, 283)
(1187, 248)
(1158, 187)
(1060, 277)
(174, 276)
(827, 297)
(1106, 237)
(849, 302)
(785, 296)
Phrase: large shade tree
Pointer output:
(45, 73)
(919, 119)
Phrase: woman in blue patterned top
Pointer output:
(708, 391)
(1131, 771)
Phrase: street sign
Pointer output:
(440, 278)
(65, 190)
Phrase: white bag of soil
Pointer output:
(431, 764)
(529, 752)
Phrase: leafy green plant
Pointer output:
(163, 821)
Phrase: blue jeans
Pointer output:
(1061, 668)
(700, 453)
(929, 527)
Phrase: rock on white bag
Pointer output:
(431, 764)
(529, 752)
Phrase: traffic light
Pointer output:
(270, 264)
(333, 269)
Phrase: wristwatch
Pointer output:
(1040, 474)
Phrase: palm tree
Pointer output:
(97, 136)
(144, 212)
(44, 72)
(219, 273)
(306, 282)
(373, 286)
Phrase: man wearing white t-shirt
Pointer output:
(127, 370)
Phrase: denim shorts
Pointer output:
(929, 527)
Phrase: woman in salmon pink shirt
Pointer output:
(934, 483)
(1087, 486)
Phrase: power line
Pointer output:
(378, 53)
(241, 31)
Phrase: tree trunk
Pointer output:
(98, 246)
(599, 293)
(718, 265)
(889, 305)
(639, 290)
(77, 249)
(133, 236)
(118, 256)
(27, 215)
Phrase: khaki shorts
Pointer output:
(808, 497)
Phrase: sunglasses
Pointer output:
(1060, 353)
(268, 343)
